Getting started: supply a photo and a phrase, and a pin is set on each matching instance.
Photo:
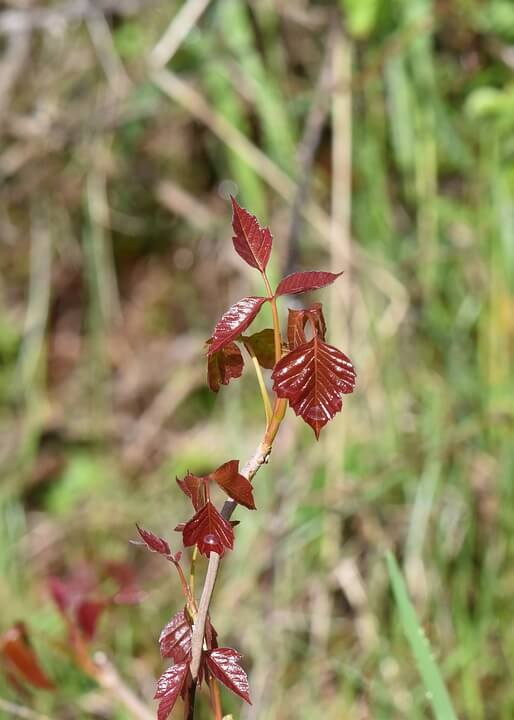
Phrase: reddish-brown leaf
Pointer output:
(124, 575)
(304, 281)
(209, 530)
(223, 366)
(234, 484)
(87, 615)
(262, 344)
(296, 325)
(224, 665)
(169, 687)
(235, 321)
(313, 377)
(175, 638)
(194, 488)
(154, 542)
(69, 591)
(14, 646)
(251, 241)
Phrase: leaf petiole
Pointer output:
(262, 387)
(276, 321)
(192, 571)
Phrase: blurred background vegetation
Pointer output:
(374, 136)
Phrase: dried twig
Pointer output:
(177, 31)
(20, 711)
(11, 68)
(56, 18)
(108, 677)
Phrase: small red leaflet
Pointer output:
(169, 687)
(297, 320)
(225, 365)
(175, 638)
(154, 542)
(209, 530)
(224, 665)
(234, 484)
(194, 488)
(304, 281)
(235, 321)
(87, 615)
(251, 241)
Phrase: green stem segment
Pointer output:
(276, 321)
(262, 387)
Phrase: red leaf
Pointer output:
(14, 645)
(123, 574)
(234, 484)
(296, 325)
(87, 615)
(235, 321)
(263, 346)
(154, 542)
(304, 281)
(224, 665)
(223, 366)
(68, 592)
(209, 530)
(194, 488)
(251, 241)
(313, 377)
(175, 638)
(169, 686)
(60, 593)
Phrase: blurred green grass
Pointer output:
(110, 282)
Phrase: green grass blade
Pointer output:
(432, 679)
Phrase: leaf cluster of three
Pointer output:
(312, 375)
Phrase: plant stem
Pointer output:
(259, 458)
(262, 387)
(215, 698)
(192, 571)
(276, 321)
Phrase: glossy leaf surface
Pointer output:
(251, 241)
(21, 658)
(223, 366)
(234, 484)
(313, 377)
(209, 530)
(304, 281)
(154, 542)
(224, 665)
(235, 321)
(194, 488)
(169, 687)
(262, 344)
(175, 638)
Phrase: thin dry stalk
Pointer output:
(108, 678)
(177, 31)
